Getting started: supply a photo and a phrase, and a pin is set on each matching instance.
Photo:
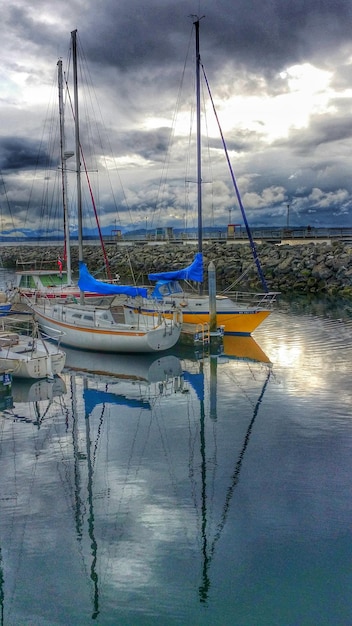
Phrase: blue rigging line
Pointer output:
(249, 234)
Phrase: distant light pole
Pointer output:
(146, 226)
(230, 209)
(288, 216)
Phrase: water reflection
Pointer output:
(180, 477)
(137, 400)
(244, 350)
(143, 367)
(32, 401)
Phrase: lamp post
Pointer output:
(288, 216)
(146, 227)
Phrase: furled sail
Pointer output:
(87, 282)
(191, 272)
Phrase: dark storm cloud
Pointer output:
(262, 35)
(323, 130)
(21, 154)
(150, 145)
(135, 52)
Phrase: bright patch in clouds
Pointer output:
(268, 197)
(273, 117)
(326, 199)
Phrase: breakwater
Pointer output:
(308, 268)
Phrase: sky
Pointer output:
(280, 74)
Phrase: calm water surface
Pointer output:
(184, 490)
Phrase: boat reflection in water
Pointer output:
(34, 401)
(134, 376)
(243, 347)
(244, 353)
(40, 391)
(131, 456)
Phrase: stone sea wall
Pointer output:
(308, 268)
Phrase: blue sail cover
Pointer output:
(192, 272)
(88, 283)
(197, 382)
(94, 397)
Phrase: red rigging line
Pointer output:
(106, 260)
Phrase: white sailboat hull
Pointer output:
(30, 358)
(94, 328)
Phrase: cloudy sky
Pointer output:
(280, 73)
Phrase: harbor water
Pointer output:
(184, 488)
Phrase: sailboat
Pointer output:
(52, 279)
(30, 356)
(103, 328)
(245, 312)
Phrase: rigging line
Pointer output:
(94, 106)
(249, 234)
(191, 462)
(125, 483)
(100, 427)
(28, 516)
(238, 280)
(43, 153)
(240, 386)
(91, 526)
(193, 440)
(2, 594)
(163, 179)
(167, 449)
(208, 163)
(204, 587)
(237, 470)
(106, 260)
(13, 524)
(130, 457)
(7, 204)
(78, 500)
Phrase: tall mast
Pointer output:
(63, 157)
(78, 153)
(199, 146)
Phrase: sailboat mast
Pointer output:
(78, 152)
(63, 158)
(199, 146)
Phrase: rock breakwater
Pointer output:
(309, 268)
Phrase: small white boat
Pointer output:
(30, 357)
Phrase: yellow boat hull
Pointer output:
(237, 323)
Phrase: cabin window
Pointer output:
(88, 317)
(77, 316)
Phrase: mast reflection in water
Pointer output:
(176, 489)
